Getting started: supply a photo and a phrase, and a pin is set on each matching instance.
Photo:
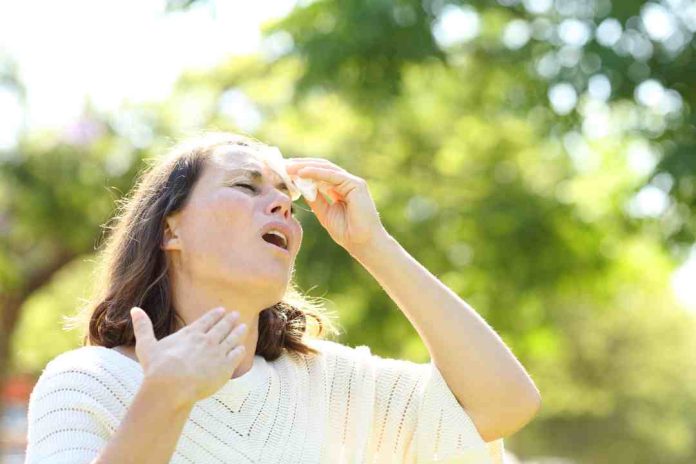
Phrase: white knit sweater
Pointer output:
(346, 405)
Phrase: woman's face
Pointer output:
(217, 236)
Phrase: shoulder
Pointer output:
(93, 371)
(338, 354)
(84, 356)
(76, 404)
(330, 350)
(86, 361)
(334, 358)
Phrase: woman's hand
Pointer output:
(352, 219)
(195, 361)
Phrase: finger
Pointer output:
(236, 353)
(294, 166)
(223, 326)
(308, 159)
(207, 320)
(324, 187)
(234, 337)
(293, 170)
(341, 182)
(325, 173)
(142, 329)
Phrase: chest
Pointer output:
(281, 420)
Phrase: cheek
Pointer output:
(231, 212)
(224, 219)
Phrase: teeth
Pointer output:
(279, 234)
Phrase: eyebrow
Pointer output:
(256, 175)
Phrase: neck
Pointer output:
(192, 301)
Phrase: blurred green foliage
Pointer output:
(520, 210)
(634, 50)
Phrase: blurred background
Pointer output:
(536, 155)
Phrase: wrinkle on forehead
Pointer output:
(231, 158)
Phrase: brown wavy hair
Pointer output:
(132, 269)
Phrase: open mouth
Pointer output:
(276, 240)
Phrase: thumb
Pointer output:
(142, 328)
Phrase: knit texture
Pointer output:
(345, 405)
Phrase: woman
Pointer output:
(199, 348)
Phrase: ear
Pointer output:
(171, 240)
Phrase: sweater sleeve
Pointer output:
(411, 415)
(67, 419)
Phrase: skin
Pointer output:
(214, 246)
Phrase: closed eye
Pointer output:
(250, 187)
(253, 189)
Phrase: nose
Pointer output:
(280, 204)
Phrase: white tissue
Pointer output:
(307, 187)
(297, 185)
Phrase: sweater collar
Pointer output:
(253, 378)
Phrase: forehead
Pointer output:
(235, 160)
(235, 156)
